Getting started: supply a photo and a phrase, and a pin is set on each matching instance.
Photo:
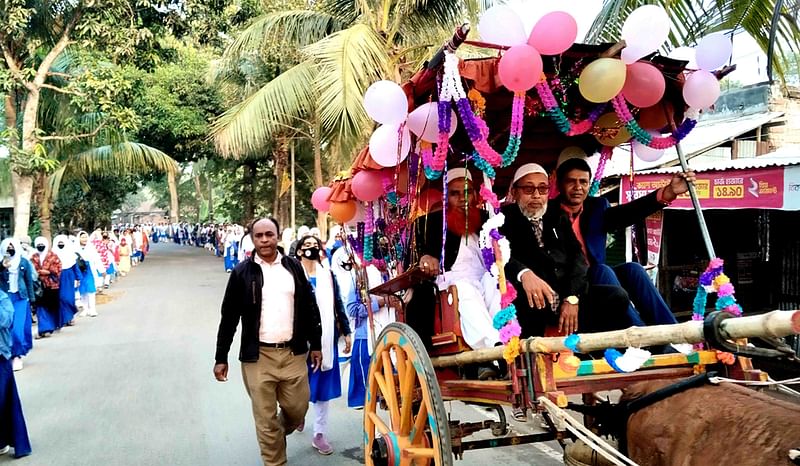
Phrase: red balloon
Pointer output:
(367, 185)
(644, 85)
(319, 199)
(520, 68)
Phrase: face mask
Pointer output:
(60, 245)
(11, 252)
(347, 266)
(311, 253)
(41, 248)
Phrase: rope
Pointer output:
(590, 438)
(758, 383)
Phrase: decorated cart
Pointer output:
(540, 98)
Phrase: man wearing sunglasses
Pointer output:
(548, 267)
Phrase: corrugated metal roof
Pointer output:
(788, 155)
(707, 135)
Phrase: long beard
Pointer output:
(460, 223)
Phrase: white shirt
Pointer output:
(468, 264)
(277, 302)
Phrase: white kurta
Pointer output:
(478, 296)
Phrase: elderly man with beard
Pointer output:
(548, 267)
(479, 298)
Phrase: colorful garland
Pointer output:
(559, 118)
(369, 229)
(515, 132)
(605, 156)
(426, 151)
(656, 142)
(714, 280)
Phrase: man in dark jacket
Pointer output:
(548, 267)
(592, 218)
(280, 320)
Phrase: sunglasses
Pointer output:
(530, 189)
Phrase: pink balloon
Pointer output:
(520, 68)
(424, 122)
(701, 89)
(367, 185)
(554, 33)
(644, 85)
(645, 153)
(319, 199)
(389, 145)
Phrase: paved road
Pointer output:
(134, 386)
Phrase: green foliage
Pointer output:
(5, 178)
(78, 208)
(27, 162)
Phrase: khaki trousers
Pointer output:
(277, 378)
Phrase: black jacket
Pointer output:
(243, 301)
(560, 263)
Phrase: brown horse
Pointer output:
(712, 425)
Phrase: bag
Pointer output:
(38, 289)
(82, 265)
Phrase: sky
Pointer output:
(750, 60)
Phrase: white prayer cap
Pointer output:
(456, 173)
(571, 152)
(527, 169)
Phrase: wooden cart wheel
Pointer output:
(414, 429)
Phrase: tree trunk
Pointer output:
(248, 187)
(23, 184)
(173, 197)
(279, 157)
(210, 200)
(44, 196)
(198, 195)
(322, 217)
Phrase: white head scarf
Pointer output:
(42, 240)
(89, 252)
(66, 254)
(12, 263)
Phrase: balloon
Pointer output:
(713, 51)
(367, 185)
(424, 122)
(386, 103)
(319, 199)
(520, 68)
(602, 80)
(647, 154)
(686, 54)
(385, 147)
(554, 33)
(655, 117)
(701, 89)
(361, 214)
(609, 130)
(343, 212)
(502, 26)
(644, 31)
(644, 85)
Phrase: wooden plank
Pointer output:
(602, 382)
(601, 366)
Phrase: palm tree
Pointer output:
(341, 47)
(692, 19)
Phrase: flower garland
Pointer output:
(496, 252)
(656, 142)
(426, 151)
(369, 229)
(559, 118)
(478, 102)
(633, 359)
(515, 132)
(714, 280)
(605, 156)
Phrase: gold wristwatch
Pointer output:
(572, 300)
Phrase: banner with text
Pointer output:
(731, 189)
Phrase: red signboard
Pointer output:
(732, 189)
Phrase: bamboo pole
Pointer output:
(775, 324)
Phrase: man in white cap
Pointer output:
(463, 263)
(548, 267)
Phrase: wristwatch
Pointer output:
(572, 300)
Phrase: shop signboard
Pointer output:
(791, 186)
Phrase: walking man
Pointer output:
(269, 293)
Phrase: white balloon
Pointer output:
(713, 51)
(386, 103)
(501, 25)
(632, 53)
(424, 122)
(645, 153)
(646, 29)
(389, 146)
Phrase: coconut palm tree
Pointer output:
(772, 23)
(339, 48)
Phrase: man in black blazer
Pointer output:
(548, 267)
(593, 218)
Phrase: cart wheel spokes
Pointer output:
(413, 430)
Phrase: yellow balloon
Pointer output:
(602, 79)
(610, 131)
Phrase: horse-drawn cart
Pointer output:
(405, 421)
